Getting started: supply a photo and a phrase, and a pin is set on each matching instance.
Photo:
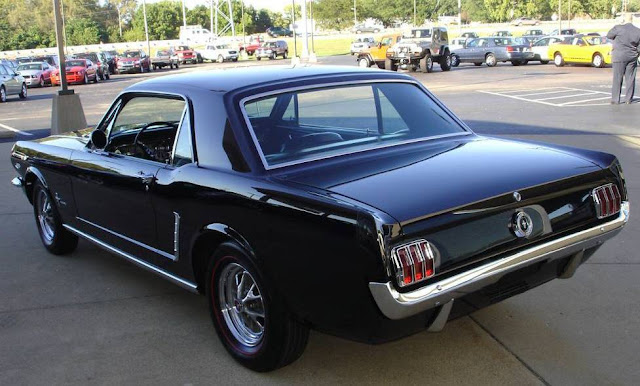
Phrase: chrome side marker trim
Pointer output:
(400, 305)
(176, 236)
(129, 239)
(139, 262)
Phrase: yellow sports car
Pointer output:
(581, 49)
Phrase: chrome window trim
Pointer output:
(175, 140)
(169, 256)
(466, 131)
(150, 267)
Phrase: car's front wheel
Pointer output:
(3, 95)
(455, 60)
(250, 319)
(558, 60)
(23, 91)
(363, 62)
(490, 60)
(54, 236)
(426, 63)
(220, 59)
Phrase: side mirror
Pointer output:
(98, 139)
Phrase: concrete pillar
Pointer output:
(67, 113)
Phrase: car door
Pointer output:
(466, 53)
(13, 84)
(113, 186)
(540, 48)
(479, 52)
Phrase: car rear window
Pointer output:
(300, 126)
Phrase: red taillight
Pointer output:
(607, 200)
(510, 49)
(413, 262)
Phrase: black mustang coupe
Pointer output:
(347, 200)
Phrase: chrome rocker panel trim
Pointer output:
(396, 305)
(139, 262)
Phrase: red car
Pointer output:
(255, 42)
(186, 54)
(78, 71)
(134, 61)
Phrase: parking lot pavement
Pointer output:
(558, 96)
(92, 318)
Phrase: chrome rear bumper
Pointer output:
(396, 305)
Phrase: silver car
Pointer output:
(360, 44)
(11, 84)
(540, 48)
(35, 73)
(491, 50)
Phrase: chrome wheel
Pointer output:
(598, 61)
(3, 95)
(241, 305)
(363, 62)
(46, 217)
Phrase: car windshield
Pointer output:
(183, 48)
(596, 40)
(74, 63)
(417, 34)
(298, 126)
(93, 57)
(32, 66)
(223, 47)
(503, 41)
(131, 54)
(163, 53)
(269, 45)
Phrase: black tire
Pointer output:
(558, 60)
(3, 95)
(275, 343)
(597, 60)
(220, 59)
(516, 63)
(107, 76)
(426, 63)
(285, 54)
(477, 64)
(86, 79)
(96, 77)
(455, 60)
(445, 62)
(23, 91)
(490, 60)
(41, 83)
(171, 65)
(101, 75)
(55, 238)
(273, 56)
(177, 65)
(390, 65)
(258, 58)
(544, 62)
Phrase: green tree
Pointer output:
(82, 31)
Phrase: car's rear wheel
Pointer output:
(23, 91)
(426, 63)
(597, 61)
(558, 60)
(41, 83)
(85, 80)
(54, 236)
(3, 95)
(389, 65)
(490, 60)
(285, 54)
(250, 319)
(363, 62)
(220, 58)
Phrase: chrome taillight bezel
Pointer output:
(421, 262)
(607, 200)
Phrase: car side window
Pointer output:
(3, 71)
(140, 111)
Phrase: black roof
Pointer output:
(237, 78)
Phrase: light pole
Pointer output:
(66, 109)
(146, 29)
(184, 14)
(211, 18)
(559, 17)
(460, 17)
(414, 13)
(569, 16)
(355, 14)
(305, 41)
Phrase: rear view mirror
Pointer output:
(98, 139)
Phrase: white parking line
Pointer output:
(559, 96)
(15, 130)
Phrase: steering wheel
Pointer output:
(146, 151)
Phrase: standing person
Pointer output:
(626, 38)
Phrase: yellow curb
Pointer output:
(634, 140)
